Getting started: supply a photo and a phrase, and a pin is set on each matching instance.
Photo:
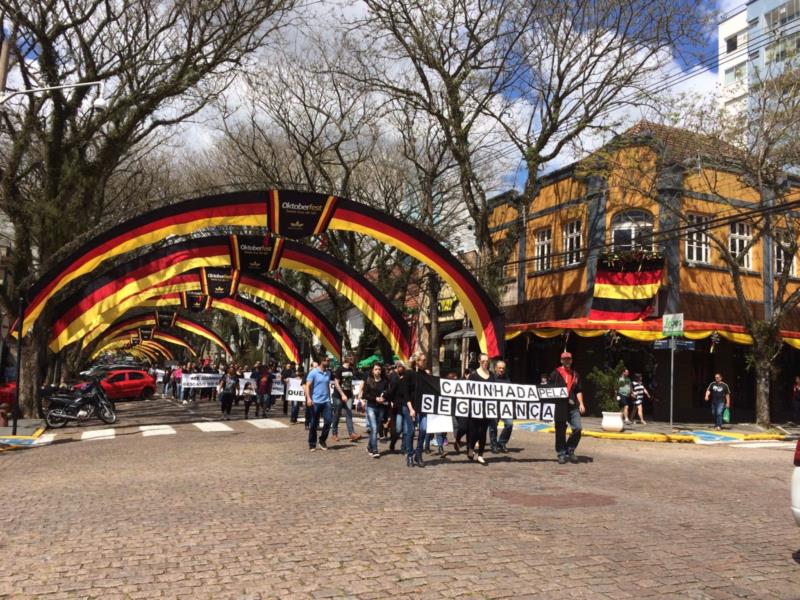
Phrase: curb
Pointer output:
(22, 438)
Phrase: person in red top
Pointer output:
(566, 376)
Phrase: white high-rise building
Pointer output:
(756, 43)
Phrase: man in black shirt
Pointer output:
(287, 373)
(566, 376)
(343, 398)
(499, 445)
(720, 395)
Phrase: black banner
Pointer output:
(297, 215)
(165, 320)
(145, 333)
(195, 301)
(220, 283)
(254, 254)
(491, 400)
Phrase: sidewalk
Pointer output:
(697, 433)
(28, 430)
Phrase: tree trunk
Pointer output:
(433, 342)
(763, 370)
(33, 372)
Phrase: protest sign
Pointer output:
(294, 390)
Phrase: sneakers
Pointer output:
(628, 422)
(354, 437)
(562, 459)
(334, 437)
(572, 458)
(314, 449)
(479, 458)
(376, 455)
(322, 446)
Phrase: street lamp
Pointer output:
(100, 103)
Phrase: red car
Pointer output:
(119, 384)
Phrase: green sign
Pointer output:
(672, 324)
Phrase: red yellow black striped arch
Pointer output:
(260, 209)
(150, 347)
(157, 335)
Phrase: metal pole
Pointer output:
(671, 378)
(15, 408)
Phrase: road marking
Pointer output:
(98, 434)
(213, 426)
(267, 424)
(148, 430)
(766, 444)
(46, 438)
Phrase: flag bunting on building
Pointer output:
(625, 290)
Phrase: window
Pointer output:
(572, 242)
(731, 44)
(116, 378)
(697, 246)
(784, 49)
(738, 241)
(543, 250)
(135, 376)
(632, 230)
(783, 258)
(786, 12)
(736, 74)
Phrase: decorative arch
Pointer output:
(114, 292)
(257, 286)
(160, 336)
(287, 214)
(150, 347)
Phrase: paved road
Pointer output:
(251, 513)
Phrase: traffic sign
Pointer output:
(673, 343)
(672, 324)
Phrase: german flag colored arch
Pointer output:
(292, 214)
(157, 335)
(107, 297)
(149, 320)
(146, 346)
(268, 290)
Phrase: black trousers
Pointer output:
(462, 428)
(227, 402)
(476, 432)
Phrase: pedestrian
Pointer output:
(374, 393)
(500, 444)
(414, 417)
(318, 400)
(639, 392)
(228, 388)
(306, 409)
(277, 387)
(343, 398)
(397, 393)
(264, 389)
(177, 390)
(719, 394)
(565, 376)
(287, 373)
(624, 389)
(166, 380)
(295, 412)
(477, 427)
(249, 395)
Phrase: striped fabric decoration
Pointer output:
(624, 291)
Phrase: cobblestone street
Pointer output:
(251, 513)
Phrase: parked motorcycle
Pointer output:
(81, 406)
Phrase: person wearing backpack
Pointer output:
(565, 376)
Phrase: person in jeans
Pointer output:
(318, 402)
(500, 445)
(719, 394)
(565, 376)
(414, 417)
(374, 392)
(624, 391)
(295, 411)
(228, 388)
(343, 398)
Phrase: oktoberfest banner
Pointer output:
(165, 320)
(146, 333)
(195, 302)
(490, 400)
(298, 215)
(219, 283)
(255, 254)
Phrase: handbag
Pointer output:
(726, 415)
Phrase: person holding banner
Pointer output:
(295, 383)
(415, 418)
(228, 388)
(287, 373)
(318, 401)
(374, 392)
(343, 398)
(398, 397)
(500, 445)
(477, 426)
(566, 376)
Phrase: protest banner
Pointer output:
(294, 390)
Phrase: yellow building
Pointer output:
(650, 190)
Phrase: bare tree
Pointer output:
(160, 63)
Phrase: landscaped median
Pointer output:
(699, 436)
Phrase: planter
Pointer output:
(612, 421)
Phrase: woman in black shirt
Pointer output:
(476, 431)
(374, 391)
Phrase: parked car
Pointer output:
(796, 484)
(128, 383)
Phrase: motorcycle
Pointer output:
(90, 401)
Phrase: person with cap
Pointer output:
(565, 376)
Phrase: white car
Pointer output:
(796, 485)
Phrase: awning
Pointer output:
(644, 331)
(460, 334)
